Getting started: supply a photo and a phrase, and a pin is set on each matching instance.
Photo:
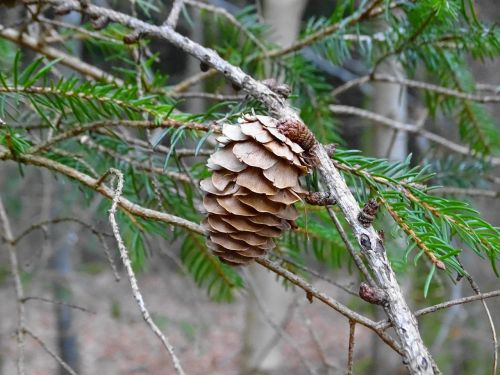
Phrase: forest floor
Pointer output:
(207, 336)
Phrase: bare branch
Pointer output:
(350, 356)
(445, 305)
(192, 80)
(368, 11)
(131, 275)
(475, 288)
(229, 17)
(77, 130)
(53, 53)
(173, 17)
(317, 275)
(138, 165)
(14, 267)
(420, 85)
(357, 259)
(54, 302)
(207, 95)
(51, 353)
(337, 306)
(344, 109)
(276, 327)
(471, 192)
(94, 184)
(100, 237)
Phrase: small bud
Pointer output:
(235, 86)
(372, 295)
(320, 198)
(99, 23)
(367, 215)
(204, 66)
(84, 3)
(309, 296)
(132, 38)
(330, 149)
(440, 265)
(381, 234)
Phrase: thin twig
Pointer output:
(51, 353)
(52, 53)
(354, 254)
(379, 77)
(14, 267)
(265, 350)
(207, 95)
(61, 303)
(471, 192)
(136, 164)
(100, 236)
(276, 327)
(314, 336)
(316, 274)
(163, 150)
(193, 80)
(173, 17)
(337, 306)
(131, 275)
(230, 18)
(475, 288)
(344, 109)
(445, 305)
(368, 11)
(113, 124)
(350, 353)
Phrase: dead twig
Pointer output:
(131, 275)
(18, 285)
(51, 353)
(350, 354)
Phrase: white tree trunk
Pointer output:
(390, 101)
(284, 18)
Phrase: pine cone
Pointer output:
(249, 197)
(297, 132)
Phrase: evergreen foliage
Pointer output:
(438, 35)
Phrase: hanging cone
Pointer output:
(255, 182)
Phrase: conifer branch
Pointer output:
(52, 53)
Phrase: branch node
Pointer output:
(373, 295)
(63, 9)
(330, 149)
(99, 23)
(320, 198)
(132, 37)
(365, 243)
(84, 4)
(281, 89)
(367, 215)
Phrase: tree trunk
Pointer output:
(389, 100)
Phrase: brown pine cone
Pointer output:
(297, 132)
(249, 197)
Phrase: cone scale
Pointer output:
(250, 195)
